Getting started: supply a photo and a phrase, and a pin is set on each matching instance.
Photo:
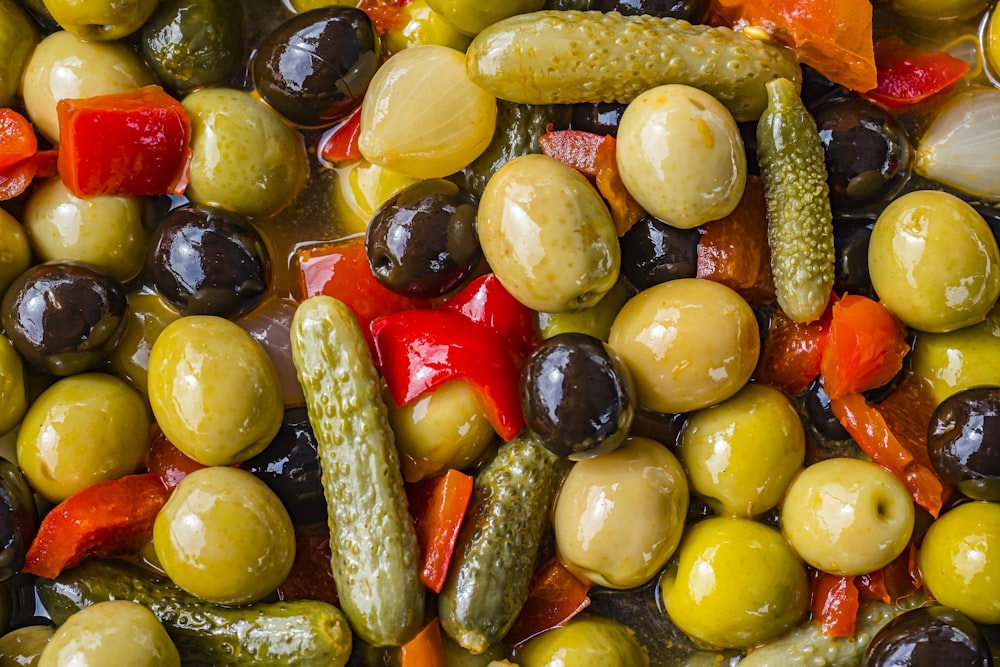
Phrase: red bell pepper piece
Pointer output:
(310, 577)
(438, 506)
(15, 179)
(574, 148)
(907, 75)
(555, 595)
(486, 301)
(792, 353)
(167, 462)
(131, 143)
(835, 602)
(422, 349)
(341, 143)
(109, 519)
(425, 649)
(17, 138)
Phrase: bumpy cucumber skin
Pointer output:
(265, 634)
(375, 550)
(495, 556)
(800, 222)
(562, 57)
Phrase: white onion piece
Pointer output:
(270, 325)
(961, 147)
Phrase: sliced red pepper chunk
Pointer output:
(341, 143)
(792, 353)
(131, 143)
(167, 462)
(422, 349)
(310, 577)
(386, 15)
(17, 138)
(425, 649)
(15, 179)
(574, 148)
(109, 519)
(835, 601)
(438, 506)
(486, 301)
(555, 595)
(907, 75)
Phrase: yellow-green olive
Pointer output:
(13, 397)
(594, 321)
(82, 430)
(690, 343)
(18, 37)
(15, 250)
(66, 66)
(584, 641)
(960, 359)
(360, 188)
(939, 10)
(681, 156)
(424, 26)
(103, 230)
(599, 533)
(110, 634)
(244, 157)
(214, 390)
(23, 647)
(547, 235)
(148, 315)
(101, 20)
(224, 536)
(927, 289)
(470, 18)
(737, 583)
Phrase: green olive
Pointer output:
(424, 26)
(741, 454)
(737, 583)
(245, 158)
(594, 321)
(13, 396)
(925, 288)
(15, 250)
(101, 20)
(110, 634)
(18, 37)
(939, 10)
(690, 343)
(214, 390)
(224, 536)
(23, 647)
(584, 641)
(103, 230)
(960, 359)
(597, 535)
(148, 315)
(56, 443)
(305, 5)
(64, 65)
(960, 560)
(470, 17)
(360, 188)
(548, 235)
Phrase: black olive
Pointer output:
(653, 252)
(208, 261)
(850, 243)
(18, 519)
(826, 431)
(963, 440)
(663, 427)
(315, 68)
(694, 11)
(577, 395)
(422, 242)
(597, 117)
(290, 467)
(935, 636)
(64, 317)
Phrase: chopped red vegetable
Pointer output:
(893, 582)
(555, 595)
(792, 353)
(110, 519)
(425, 649)
(15, 179)
(341, 143)
(386, 15)
(17, 138)
(310, 577)
(486, 301)
(834, 603)
(167, 462)
(574, 148)
(907, 75)
(131, 143)
(438, 507)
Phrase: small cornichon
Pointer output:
(800, 222)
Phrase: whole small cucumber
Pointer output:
(563, 57)
(264, 634)
(375, 554)
(495, 556)
(799, 218)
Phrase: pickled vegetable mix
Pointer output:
(542, 333)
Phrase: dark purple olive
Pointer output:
(208, 261)
(64, 317)
(577, 395)
(18, 519)
(315, 68)
(825, 430)
(963, 440)
(695, 11)
(422, 242)
(597, 117)
(850, 243)
(933, 636)
(654, 252)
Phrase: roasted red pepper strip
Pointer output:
(422, 349)
(110, 519)
(574, 148)
(792, 353)
(167, 462)
(486, 301)
(341, 143)
(131, 143)
(835, 602)
(310, 577)
(907, 75)
(554, 596)
(424, 650)
(17, 138)
(15, 179)
(438, 507)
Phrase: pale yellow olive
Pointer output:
(547, 235)
(15, 250)
(148, 315)
(594, 321)
(18, 37)
(244, 157)
(584, 641)
(13, 396)
(105, 231)
(960, 359)
(926, 288)
(82, 430)
(101, 20)
(681, 156)
(741, 454)
(109, 634)
(66, 66)
(213, 389)
(23, 647)
(360, 188)
(960, 560)
(224, 536)
(424, 26)
(690, 343)
(619, 516)
(847, 516)
(737, 583)
(471, 17)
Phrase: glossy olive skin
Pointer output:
(654, 252)
(585, 640)
(850, 243)
(14, 248)
(23, 646)
(597, 117)
(18, 37)
(18, 519)
(577, 396)
(101, 20)
(208, 261)
(314, 68)
(963, 440)
(13, 394)
(148, 315)
(64, 317)
(935, 636)
(422, 242)
(694, 11)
